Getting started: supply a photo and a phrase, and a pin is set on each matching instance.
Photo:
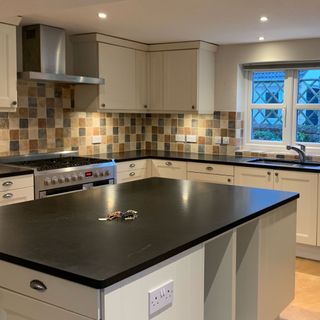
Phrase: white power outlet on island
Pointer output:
(217, 139)
(96, 139)
(160, 298)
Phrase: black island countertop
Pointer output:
(11, 171)
(199, 157)
(64, 237)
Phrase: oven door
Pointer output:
(73, 188)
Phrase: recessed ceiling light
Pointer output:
(102, 15)
(264, 19)
(261, 38)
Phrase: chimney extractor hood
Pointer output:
(44, 56)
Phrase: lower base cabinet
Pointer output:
(245, 273)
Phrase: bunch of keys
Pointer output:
(123, 215)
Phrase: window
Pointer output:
(284, 107)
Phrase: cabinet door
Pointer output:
(8, 68)
(15, 306)
(180, 80)
(253, 177)
(155, 81)
(306, 184)
(169, 169)
(117, 66)
(141, 80)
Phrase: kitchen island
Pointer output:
(230, 252)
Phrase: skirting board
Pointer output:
(308, 252)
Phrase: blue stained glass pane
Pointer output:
(308, 86)
(268, 87)
(266, 124)
(308, 126)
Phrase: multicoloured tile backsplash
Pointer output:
(45, 121)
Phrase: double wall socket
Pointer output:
(160, 298)
(221, 140)
(180, 138)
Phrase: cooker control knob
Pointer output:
(107, 173)
(74, 177)
(47, 181)
(54, 180)
(96, 174)
(80, 176)
(100, 174)
(62, 179)
(67, 178)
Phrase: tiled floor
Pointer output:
(306, 305)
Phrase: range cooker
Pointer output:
(65, 172)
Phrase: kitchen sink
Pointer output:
(287, 163)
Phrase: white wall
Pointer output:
(229, 84)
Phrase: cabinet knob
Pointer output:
(168, 163)
(229, 180)
(276, 174)
(7, 183)
(7, 195)
(131, 174)
(38, 285)
(193, 107)
(14, 103)
(269, 173)
(103, 105)
(145, 106)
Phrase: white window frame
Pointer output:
(314, 147)
(286, 111)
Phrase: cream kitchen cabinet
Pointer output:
(169, 169)
(215, 173)
(8, 68)
(181, 77)
(303, 182)
(133, 170)
(123, 64)
(16, 189)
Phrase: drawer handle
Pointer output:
(7, 195)
(7, 184)
(209, 168)
(38, 285)
(168, 163)
(132, 165)
(131, 174)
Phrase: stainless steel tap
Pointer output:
(301, 151)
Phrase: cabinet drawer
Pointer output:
(169, 169)
(18, 306)
(65, 294)
(15, 196)
(131, 165)
(16, 182)
(213, 178)
(211, 168)
(132, 175)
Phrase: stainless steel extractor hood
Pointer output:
(44, 56)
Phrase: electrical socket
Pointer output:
(191, 138)
(217, 139)
(180, 138)
(96, 139)
(225, 140)
(160, 298)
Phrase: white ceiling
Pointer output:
(154, 21)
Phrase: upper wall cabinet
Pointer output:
(175, 77)
(181, 77)
(8, 68)
(123, 65)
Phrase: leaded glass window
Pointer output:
(308, 86)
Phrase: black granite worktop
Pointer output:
(207, 158)
(10, 171)
(62, 236)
